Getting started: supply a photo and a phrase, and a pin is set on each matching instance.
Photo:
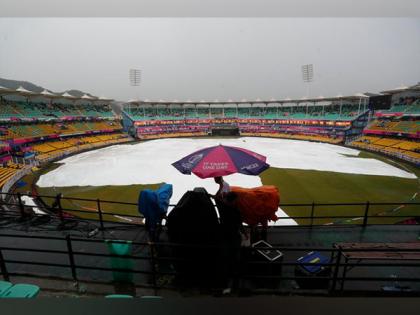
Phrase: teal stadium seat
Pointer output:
(119, 296)
(4, 286)
(21, 290)
(121, 248)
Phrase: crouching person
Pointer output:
(153, 205)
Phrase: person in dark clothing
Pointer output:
(231, 229)
(230, 216)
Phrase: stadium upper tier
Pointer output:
(331, 112)
(23, 110)
(404, 101)
(404, 108)
(17, 131)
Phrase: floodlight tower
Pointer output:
(134, 76)
(307, 76)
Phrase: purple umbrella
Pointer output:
(220, 161)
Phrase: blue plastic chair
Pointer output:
(4, 286)
(21, 290)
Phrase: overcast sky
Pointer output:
(211, 58)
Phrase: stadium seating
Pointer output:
(55, 149)
(330, 112)
(62, 128)
(21, 110)
(20, 290)
(17, 131)
(396, 126)
(406, 106)
(393, 136)
(174, 135)
(317, 138)
(402, 148)
(8, 172)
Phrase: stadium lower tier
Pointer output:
(401, 148)
(172, 135)
(55, 149)
(317, 138)
(8, 171)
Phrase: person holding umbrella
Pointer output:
(220, 161)
(224, 188)
(216, 162)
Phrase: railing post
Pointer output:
(21, 206)
(3, 268)
(365, 217)
(101, 221)
(71, 257)
(336, 268)
(60, 208)
(152, 261)
(312, 213)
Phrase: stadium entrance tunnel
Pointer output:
(225, 131)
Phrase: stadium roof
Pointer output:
(69, 96)
(372, 94)
(22, 91)
(5, 91)
(304, 99)
(88, 97)
(415, 87)
(135, 101)
(105, 99)
(48, 94)
(399, 89)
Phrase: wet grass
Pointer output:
(295, 186)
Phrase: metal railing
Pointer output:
(333, 281)
(315, 212)
(15, 210)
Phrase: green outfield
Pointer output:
(295, 186)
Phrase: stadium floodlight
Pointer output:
(307, 73)
(134, 76)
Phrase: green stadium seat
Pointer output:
(121, 248)
(21, 290)
(4, 286)
(119, 296)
